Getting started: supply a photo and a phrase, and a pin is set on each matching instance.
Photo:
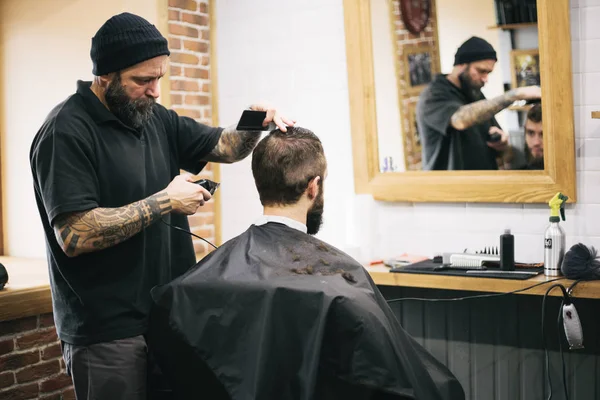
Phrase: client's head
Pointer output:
(534, 137)
(289, 169)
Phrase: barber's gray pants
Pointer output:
(108, 371)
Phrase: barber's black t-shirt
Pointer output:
(83, 157)
(443, 147)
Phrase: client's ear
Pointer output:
(313, 187)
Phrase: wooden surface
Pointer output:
(382, 276)
(162, 24)
(521, 108)
(596, 114)
(27, 292)
(467, 186)
(214, 104)
(361, 87)
(513, 26)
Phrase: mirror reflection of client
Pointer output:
(534, 139)
(531, 155)
(456, 122)
(275, 313)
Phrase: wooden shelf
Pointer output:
(521, 108)
(596, 114)
(513, 26)
(27, 292)
(382, 276)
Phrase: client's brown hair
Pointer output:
(534, 115)
(283, 163)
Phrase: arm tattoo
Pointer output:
(233, 146)
(97, 229)
(481, 111)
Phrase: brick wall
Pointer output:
(407, 41)
(190, 76)
(31, 364)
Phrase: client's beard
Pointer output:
(133, 113)
(536, 162)
(314, 216)
(469, 88)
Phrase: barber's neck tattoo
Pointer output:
(481, 111)
(100, 228)
(233, 145)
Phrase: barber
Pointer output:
(106, 168)
(456, 122)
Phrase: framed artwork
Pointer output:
(525, 68)
(415, 14)
(411, 137)
(419, 67)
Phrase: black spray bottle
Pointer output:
(507, 251)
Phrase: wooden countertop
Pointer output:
(27, 292)
(381, 276)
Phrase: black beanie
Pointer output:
(474, 49)
(125, 40)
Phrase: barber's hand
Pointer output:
(501, 144)
(529, 93)
(186, 197)
(273, 115)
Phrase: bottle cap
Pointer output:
(507, 231)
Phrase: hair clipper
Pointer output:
(209, 185)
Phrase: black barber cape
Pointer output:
(278, 314)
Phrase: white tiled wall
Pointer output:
(292, 53)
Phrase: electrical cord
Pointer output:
(480, 296)
(546, 357)
(566, 293)
(188, 232)
(165, 222)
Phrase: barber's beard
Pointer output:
(133, 113)
(314, 216)
(470, 89)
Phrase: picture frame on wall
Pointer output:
(415, 14)
(525, 68)
(411, 138)
(419, 67)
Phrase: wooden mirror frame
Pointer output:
(467, 186)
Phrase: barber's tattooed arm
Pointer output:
(233, 146)
(481, 111)
(99, 228)
(236, 145)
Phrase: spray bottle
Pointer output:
(554, 237)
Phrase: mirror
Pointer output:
(406, 90)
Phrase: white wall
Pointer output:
(45, 48)
(293, 54)
(386, 86)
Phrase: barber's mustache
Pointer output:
(148, 99)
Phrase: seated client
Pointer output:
(275, 313)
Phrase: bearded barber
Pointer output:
(456, 122)
(106, 166)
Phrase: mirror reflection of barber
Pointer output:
(456, 122)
